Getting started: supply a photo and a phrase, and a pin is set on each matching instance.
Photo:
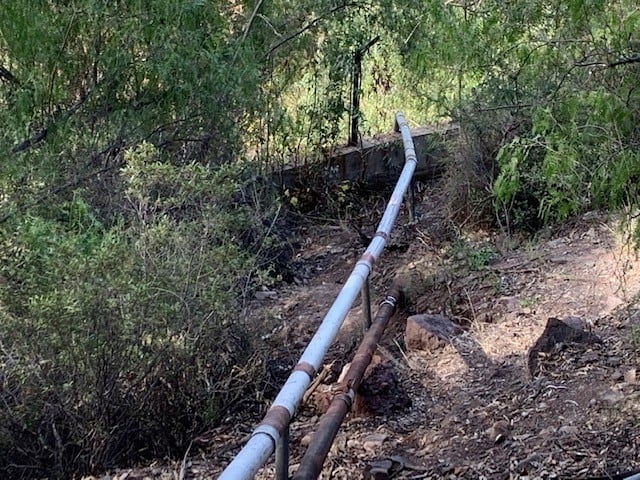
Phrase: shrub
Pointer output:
(121, 342)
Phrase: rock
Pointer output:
(265, 295)
(378, 470)
(306, 440)
(529, 464)
(485, 317)
(575, 322)
(630, 377)
(589, 357)
(499, 431)
(373, 442)
(556, 333)
(568, 430)
(614, 361)
(547, 432)
(381, 392)
(429, 332)
(611, 396)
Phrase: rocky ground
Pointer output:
(479, 404)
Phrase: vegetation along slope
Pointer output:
(138, 214)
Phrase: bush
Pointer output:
(121, 342)
(579, 155)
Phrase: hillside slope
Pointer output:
(475, 411)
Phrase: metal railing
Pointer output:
(272, 434)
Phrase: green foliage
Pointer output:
(131, 220)
(128, 230)
(547, 96)
(119, 342)
(472, 256)
(580, 155)
(94, 79)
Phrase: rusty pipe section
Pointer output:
(269, 432)
(313, 459)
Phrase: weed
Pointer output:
(473, 257)
(479, 259)
(528, 302)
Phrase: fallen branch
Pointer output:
(42, 134)
(308, 26)
(7, 76)
(617, 63)
(29, 142)
(625, 61)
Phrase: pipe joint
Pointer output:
(368, 260)
(347, 397)
(269, 431)
(389, 300)
(307, 368)
(275, 422)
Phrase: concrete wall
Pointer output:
(376, 161)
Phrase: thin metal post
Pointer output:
(365, 294)
(282, 456)
(355, 97)
(356, 82)
(412, 202)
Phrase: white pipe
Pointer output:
(263, 440)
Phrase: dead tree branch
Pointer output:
(617, 63)
(308, 26)
(29, 142)
(7, 76)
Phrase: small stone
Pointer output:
(617, 376)
(265, 295)
(351, 444)
(547, 432)
(630, 376)
(373, 442)
(611, 396)
(529, 464)
(614, 361)
(306, 440)
(499, 431)
(379, 469)
(568, 430)
(589, 357)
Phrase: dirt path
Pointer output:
(474, 410)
